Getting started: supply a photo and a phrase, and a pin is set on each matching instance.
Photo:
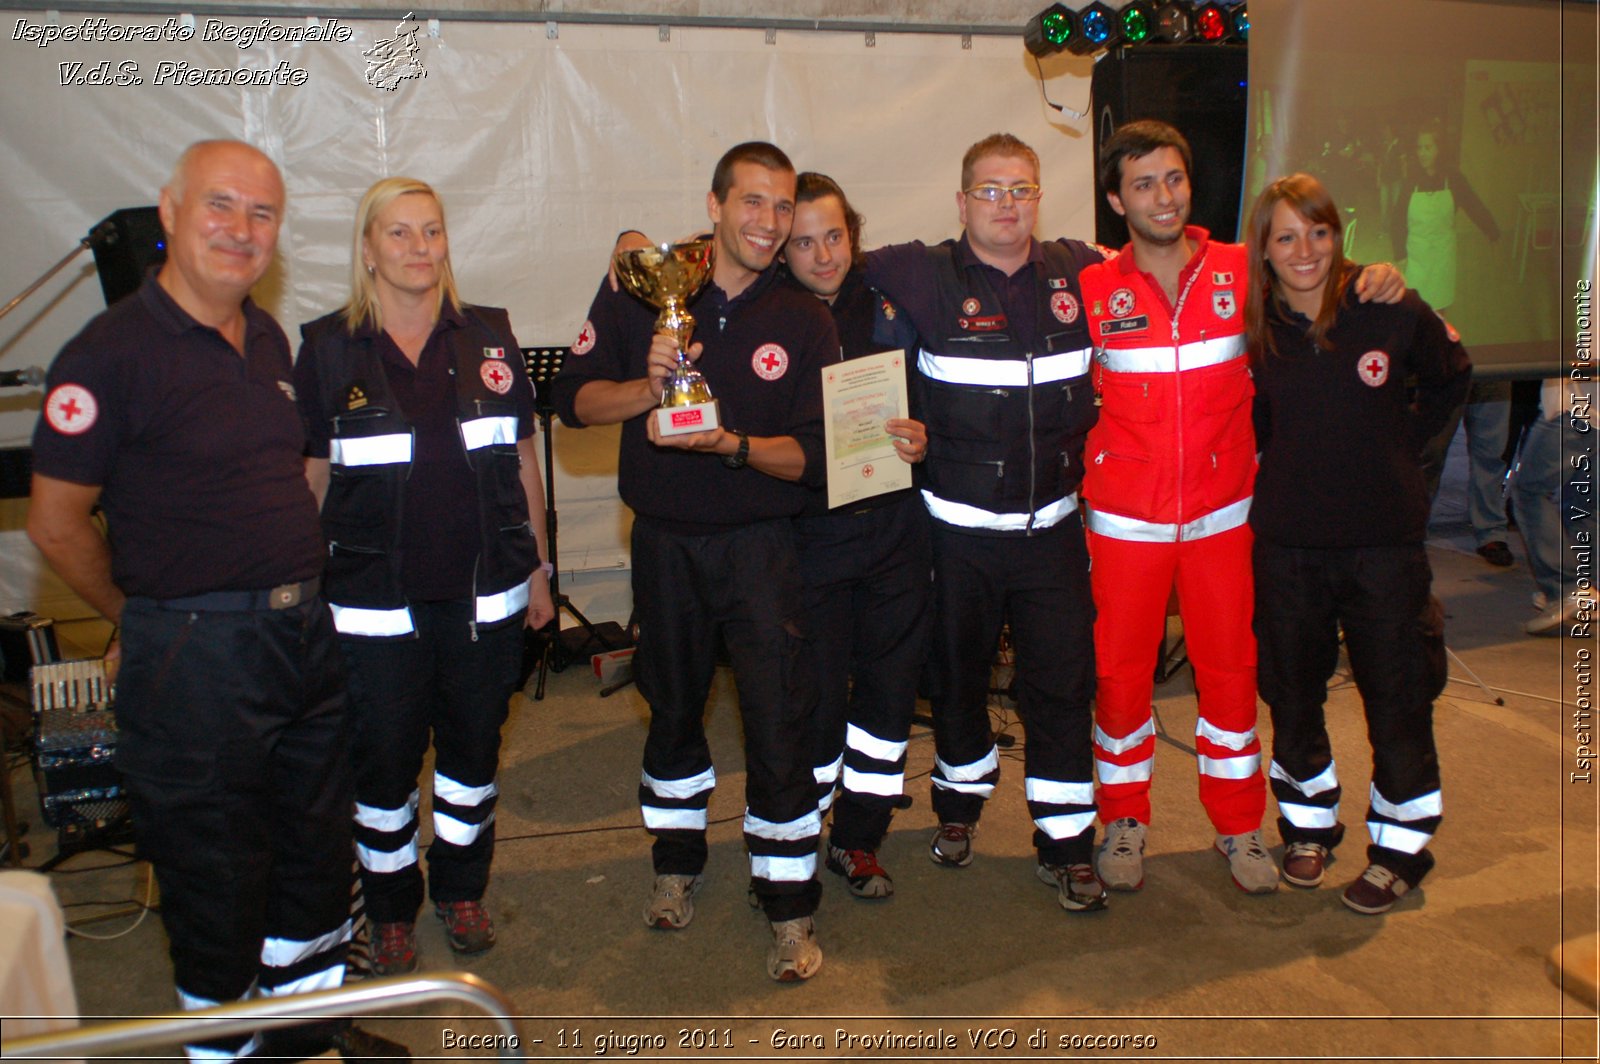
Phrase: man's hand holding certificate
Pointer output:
(871, 440)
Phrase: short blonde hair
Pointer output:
(363, 307)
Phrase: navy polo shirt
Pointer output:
(197, 451)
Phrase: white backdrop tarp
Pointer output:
(543, 148)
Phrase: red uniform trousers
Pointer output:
(1131, 581)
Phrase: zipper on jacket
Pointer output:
(1033, 449)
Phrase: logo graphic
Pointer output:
(71, 410)
(1373, 368)
(1064, 307)
(494, 352)
(770, 362)
(1223, 303)
(1121, 303)
(389, 62)
(1221, 278)
(867, 470)
(497, 376)
(585, 341)
(355, 398)
(969, 307)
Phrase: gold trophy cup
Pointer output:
(667, 276)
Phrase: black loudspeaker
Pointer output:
(133, 243)
(1200, 89)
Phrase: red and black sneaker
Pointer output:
(861, 870)
(467, 925)
(395, 951)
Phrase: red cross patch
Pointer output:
(1373, 368)
(71, 410)
(867, 470)
(496, 376)
(1064, 307)
(770, 362)
(1121, 303)
(585, 341)
(1223, 303)
(970, 306)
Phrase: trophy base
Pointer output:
(680, 420)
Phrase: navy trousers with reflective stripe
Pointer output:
(1394, 634)
(233, 744)
(443, 683)
(867, 591)
(1039, 585)
(743, 583)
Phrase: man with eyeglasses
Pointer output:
(1002, 381)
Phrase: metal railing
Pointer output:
(176, 1028)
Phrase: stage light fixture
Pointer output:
(1210, 24)
(1174, 22)
(1050, 31)
(1239, 23)
(1138, 20)
(1098, 29)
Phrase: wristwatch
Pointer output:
(738, 458)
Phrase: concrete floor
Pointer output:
(1456, 971)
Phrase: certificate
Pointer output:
(858, 396)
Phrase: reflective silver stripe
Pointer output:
(1127, 742)
(1065, 826)
(659, 819)
(1058, 792)
(888, 784)
(457, 793)
(959, 513)
(864, 742)
(801, 827)
(687, 787)
(327, 979)
(975, 770)
(1168, 359)
(1431, 804)
(1326, 780)
(508, 603)
(370, 450)
(190, 1002)
(784, 869)
(374, 819)
(983, 790)
(488, 431)
(828, 773)
(1230, 768)
(1309, 816)
(1394, 837)
(388, 860)
(355, 620)
(1116, 526)
(458, 832)
(1233, 740)
(283, 952)
(203, 1055)
(1004, 372)
(1137, 772)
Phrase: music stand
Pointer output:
(542, 365)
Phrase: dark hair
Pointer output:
(1310, 200)
(1003, 144)
(1135, 140)
(811, 186)
(759, 152)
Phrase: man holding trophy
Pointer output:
(712, 483)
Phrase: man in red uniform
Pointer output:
(1169, 469)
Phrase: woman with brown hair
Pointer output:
(1339, 517)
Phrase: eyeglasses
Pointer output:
(996, 193)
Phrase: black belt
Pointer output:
(281, 597)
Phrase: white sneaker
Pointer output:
(1253, 869)
(1119, 862)
(794, 954)
(1558, 619)
(671, 905)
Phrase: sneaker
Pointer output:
(1556, 620)
(1249, 861)
(1375, 891)
(951, 845)
(794, 954)
(672, 901)
(1119, 862)
(861, 870)
(1541, 601)
(466, 925)
(395, 952)
(1496, 553)
(1078, 889)
(1303, 864)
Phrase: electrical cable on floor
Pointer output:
(144, 911)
